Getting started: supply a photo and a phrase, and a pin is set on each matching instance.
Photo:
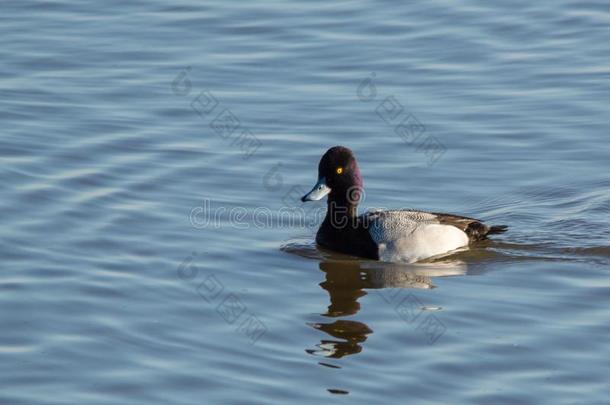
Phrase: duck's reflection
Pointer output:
(346, 281)
(351, 333)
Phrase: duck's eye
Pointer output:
(339, 170)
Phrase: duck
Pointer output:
(401, 235)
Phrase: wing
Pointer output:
(475, 229)
(387, 226)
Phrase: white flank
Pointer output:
(425, 241)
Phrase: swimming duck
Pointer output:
(394, 235)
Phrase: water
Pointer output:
(115, 290)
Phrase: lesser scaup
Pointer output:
(396, 235)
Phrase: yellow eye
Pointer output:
(339, 170)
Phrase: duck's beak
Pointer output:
(319, 191)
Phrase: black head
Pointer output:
(338, 177)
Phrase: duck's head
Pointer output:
(338, 177)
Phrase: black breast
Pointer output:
(353, 239)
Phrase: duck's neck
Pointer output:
(340, 212)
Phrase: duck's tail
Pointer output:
(497, 229)
(475, 229)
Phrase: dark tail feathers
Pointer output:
(497, 229)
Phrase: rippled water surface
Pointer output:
(126, 125)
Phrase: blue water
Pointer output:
(124, 125)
